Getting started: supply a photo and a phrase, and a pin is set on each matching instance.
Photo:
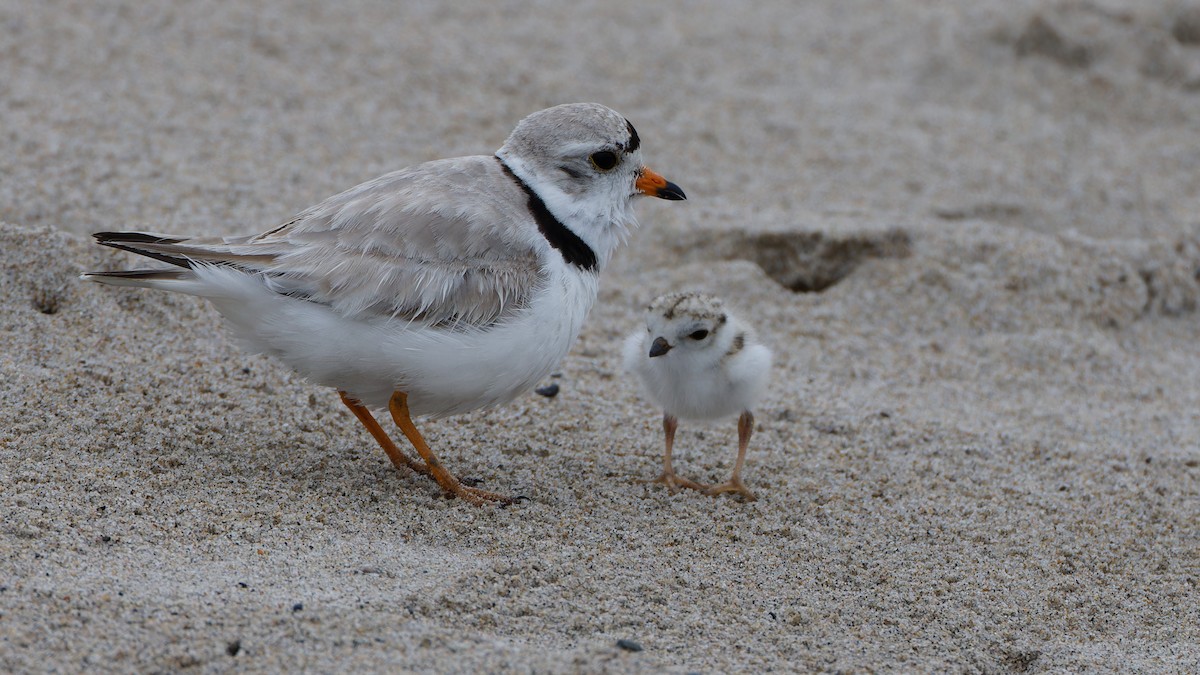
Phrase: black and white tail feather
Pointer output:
(161, 247)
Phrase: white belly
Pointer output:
(444, 372)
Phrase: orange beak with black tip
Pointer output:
(654, 185)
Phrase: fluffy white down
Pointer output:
(700, 385)
(443, 372)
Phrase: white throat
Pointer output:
(600, 218)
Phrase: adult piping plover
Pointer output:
(434, 290)
(698, 361)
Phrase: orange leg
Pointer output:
(399, 459)
(735, 484)
(668, 476)
(398, 406)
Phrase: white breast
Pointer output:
(444, 372)
(688, 390)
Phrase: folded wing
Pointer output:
(447, 242)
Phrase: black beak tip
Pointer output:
(659, 347)
(671, 192)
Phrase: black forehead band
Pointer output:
(634, 142)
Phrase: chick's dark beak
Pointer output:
(659, 347)
(654, 185)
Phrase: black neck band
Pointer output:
(573, 249)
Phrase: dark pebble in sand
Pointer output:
(629, 645)
(549, 391)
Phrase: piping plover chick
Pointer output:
(434, 290)
(698, 361)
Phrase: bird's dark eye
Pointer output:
(699, 334)
(604, 160)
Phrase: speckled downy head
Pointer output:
(693, 326)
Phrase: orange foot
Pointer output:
(480, 497)
(398, 405)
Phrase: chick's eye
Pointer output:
(699, 334)
(603, 160)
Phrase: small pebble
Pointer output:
(297, 607)
(549, 391)
(629, 645)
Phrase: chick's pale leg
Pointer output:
(668, 476)
(735, 484)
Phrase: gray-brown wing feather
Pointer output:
(447, 242)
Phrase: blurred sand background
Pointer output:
(969, 230)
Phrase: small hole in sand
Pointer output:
(812, 262)
(46, 302)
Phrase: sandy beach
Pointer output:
(969, 231)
